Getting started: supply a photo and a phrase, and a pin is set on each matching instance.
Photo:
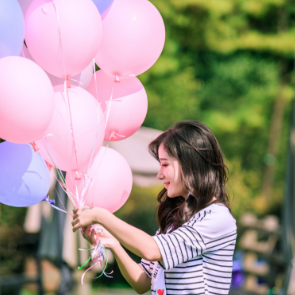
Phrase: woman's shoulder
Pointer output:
(213, 221)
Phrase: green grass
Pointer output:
(26, 292)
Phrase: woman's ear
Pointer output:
(188, 196)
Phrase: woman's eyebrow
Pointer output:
(163, 159)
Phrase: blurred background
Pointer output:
(230, 65)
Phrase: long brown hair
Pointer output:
(203, 172)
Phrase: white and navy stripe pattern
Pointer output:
(197, 257)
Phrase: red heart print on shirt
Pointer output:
(160, 292)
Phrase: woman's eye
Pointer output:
(164, 165)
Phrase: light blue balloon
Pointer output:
(24, 176)
(12, 28)
(103, 5)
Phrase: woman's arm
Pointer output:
(132, 238)
(132, 272)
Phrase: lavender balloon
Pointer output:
(24, 176)
(12, 28)
(103, 5)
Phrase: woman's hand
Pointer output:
(84, 216)
(99, 232)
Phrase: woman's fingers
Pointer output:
(86, 231)
(76, 224)
(81, 218)
(75, 221)
(93, 237)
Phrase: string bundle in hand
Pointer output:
(98, 255)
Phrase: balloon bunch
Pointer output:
(54, 112)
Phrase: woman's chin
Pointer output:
(171, 196)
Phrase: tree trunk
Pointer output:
(274, 139)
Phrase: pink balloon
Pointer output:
(26, 100)
(76, 22)
(110, 181)
(82, 80)
(128, 107)
(133, 38)
(87, 117)
(105, 13)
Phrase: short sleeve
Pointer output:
(183, 244)
(147, 267)
(209, 230)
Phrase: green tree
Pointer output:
(229, 63)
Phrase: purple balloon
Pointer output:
(24, 176)
(103, 5)
(12, 28)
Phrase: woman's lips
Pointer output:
(166, 187)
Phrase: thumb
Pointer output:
(108, 243)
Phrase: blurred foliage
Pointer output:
(11, 217)
(11, 233)
(11, 258)
(140, 209)
(222, 65)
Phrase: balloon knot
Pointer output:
(50, 202)
(44, 9)
(117, 80)
(49, 166)
(113, 135)
(33, 144)
(68, 83)
(77, 177)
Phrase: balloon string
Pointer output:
(75, 186)
(108, 112)
(76, 81)
(98, 255)
(96, 135)
(60, 200)
(51, 203)
(80, 267)
(101, 159)
(60, 40)
(80, 202)
(59, 173)
(62, 186)
(109, 108)
(71, 122)
(65, 83)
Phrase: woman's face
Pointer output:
(170, 174)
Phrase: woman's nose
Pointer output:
(160, 175)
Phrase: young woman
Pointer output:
(192, 251)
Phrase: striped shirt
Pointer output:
(197, 257)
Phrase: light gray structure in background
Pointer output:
(135, 150)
